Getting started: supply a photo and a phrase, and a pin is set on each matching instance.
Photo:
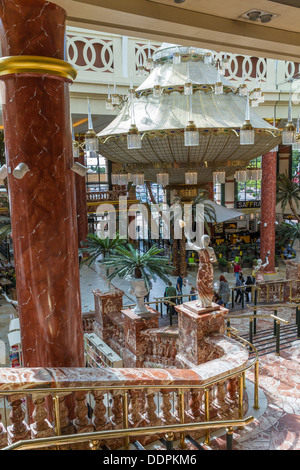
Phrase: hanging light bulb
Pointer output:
(150, 63)
(219, 84)
(208, 58)
(91, 139)
(288, 133)
(247, 133)
(222, 70)
(162, 179)
(138, 179)
(157, 91)
(262, 98)
(219, 177)
(241, 176)
(191, 177)
(176, 58)
(108, 101)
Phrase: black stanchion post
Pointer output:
(243, 298)
(277, 338)
(251, 331)
(254, 321)
(275, 329)
(232, 298)
(169, 440)
(229, 439)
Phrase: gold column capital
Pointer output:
(36, 65)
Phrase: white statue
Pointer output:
(205, 276)
(259, 268)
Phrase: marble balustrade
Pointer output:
(152, 404)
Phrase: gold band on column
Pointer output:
(36, 65)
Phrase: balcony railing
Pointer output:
(107, 59)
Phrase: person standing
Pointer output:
(224, 290)
(171, 292)
(237, 270)
(179, 285)
(248, 289)
(238, 295)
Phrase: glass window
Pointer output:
(96, 178)
(250, 190)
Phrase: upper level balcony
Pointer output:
(103, 59)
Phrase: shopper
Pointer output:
(237, 270)
(179, 285)
(170, 292)
(238, 292)
(248, 283)
(224, 290)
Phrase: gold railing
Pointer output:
(127, 392)
(280, 284)
(95, 438)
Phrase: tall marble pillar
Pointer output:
(268, 209)
(36, 114)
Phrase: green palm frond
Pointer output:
(129, 262)
(96, 246)
(288, 232)
(287, 193)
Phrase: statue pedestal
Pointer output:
(194, 326)
(135, 342)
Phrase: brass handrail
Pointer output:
(118, 433)
(257, 317)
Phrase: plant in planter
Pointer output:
(96, 246)
(247, 261)
(290, 232)
(223, 265)
(140, 268)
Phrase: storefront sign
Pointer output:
(247, 204)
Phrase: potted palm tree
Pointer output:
(290, 232)
(287, 192)
(96, 246)
(140, 268)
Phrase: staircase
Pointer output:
(265, 340)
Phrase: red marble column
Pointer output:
(268, 209)
(36, 113)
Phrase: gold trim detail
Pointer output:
(36, 65)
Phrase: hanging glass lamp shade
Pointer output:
(157, 91)
(91, 141)
(114, 178)
(208, 58)
(150, 63)
(191, 135)
(109, 104)
(115, 99)
(254, 174)
(256, 94)
(188, 89)
(255, 103)
(288, 134)
(191, 177)
(138, 179)
(296, 145)
(247, 134)
(75, 149)
(176, 58)
(123, 179)
(131, 93)
(134, 139)
(262, 98)
(162, 179)
(243, 90)
(241, 176)
(218, 88)
(219, 177)
(225, 64)
(140, 71)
